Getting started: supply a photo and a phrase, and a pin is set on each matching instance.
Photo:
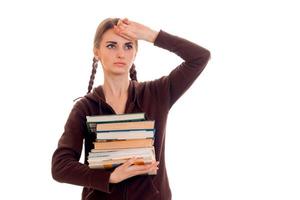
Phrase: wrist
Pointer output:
(152, 35)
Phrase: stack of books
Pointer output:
(119, 138)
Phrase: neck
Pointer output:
(115, 86)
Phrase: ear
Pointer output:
(96, 53)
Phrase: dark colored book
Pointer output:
(92, 121)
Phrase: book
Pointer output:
(120, 153)
(124, 144)
(120, 137)
(114, 158)
(123, 135)
(116, 118)
(116, 163)
(93, 120)
(138, 125)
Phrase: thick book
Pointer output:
(136, 125)
(125, 135)
(111, 159)
(120, 153)
(116, 163)
(121, 144)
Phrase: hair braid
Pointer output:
(132, 73)
(92, 77)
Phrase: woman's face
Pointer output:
(115, 53)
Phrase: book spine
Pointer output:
(142, 125)
(125, 135)
(124, 144)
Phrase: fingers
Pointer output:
(128, 35)
(143, 169)
(125, 33)
(126, 21)
(130, 166)
(129, 162)
(135, 31)
(125, 29)
(130, 169)
(123, 23)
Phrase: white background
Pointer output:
(233, 135)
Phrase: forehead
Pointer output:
(110, 35)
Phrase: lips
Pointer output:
(119, 63)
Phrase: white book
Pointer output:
(124, 157)
(137, 152)
(123, 135)
(122, 151)
(115, 118)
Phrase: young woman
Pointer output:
(115, 47)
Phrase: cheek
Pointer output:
(131, 55)
(106, 57)
(105, 61)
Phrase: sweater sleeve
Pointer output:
(195, 58)
(66, 167)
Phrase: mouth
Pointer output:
(120, 63)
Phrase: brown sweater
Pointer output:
(155, 98)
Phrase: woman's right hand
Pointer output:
(135, 31)
(129, 169)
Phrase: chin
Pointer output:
(119, 72)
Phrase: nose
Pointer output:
(120, 53)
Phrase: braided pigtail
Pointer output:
(92, 77)
(132, 73)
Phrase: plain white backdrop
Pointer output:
(233, 135)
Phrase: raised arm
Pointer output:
(181, 78)
(171, 87)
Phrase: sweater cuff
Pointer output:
(164, 40)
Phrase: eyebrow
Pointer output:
(113, 42)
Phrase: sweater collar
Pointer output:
(98, 96)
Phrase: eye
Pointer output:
(128, 46)
(111, 46)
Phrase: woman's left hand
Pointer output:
(134, 31)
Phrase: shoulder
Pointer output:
(154, 91)
(153, 85)
(85, 106)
